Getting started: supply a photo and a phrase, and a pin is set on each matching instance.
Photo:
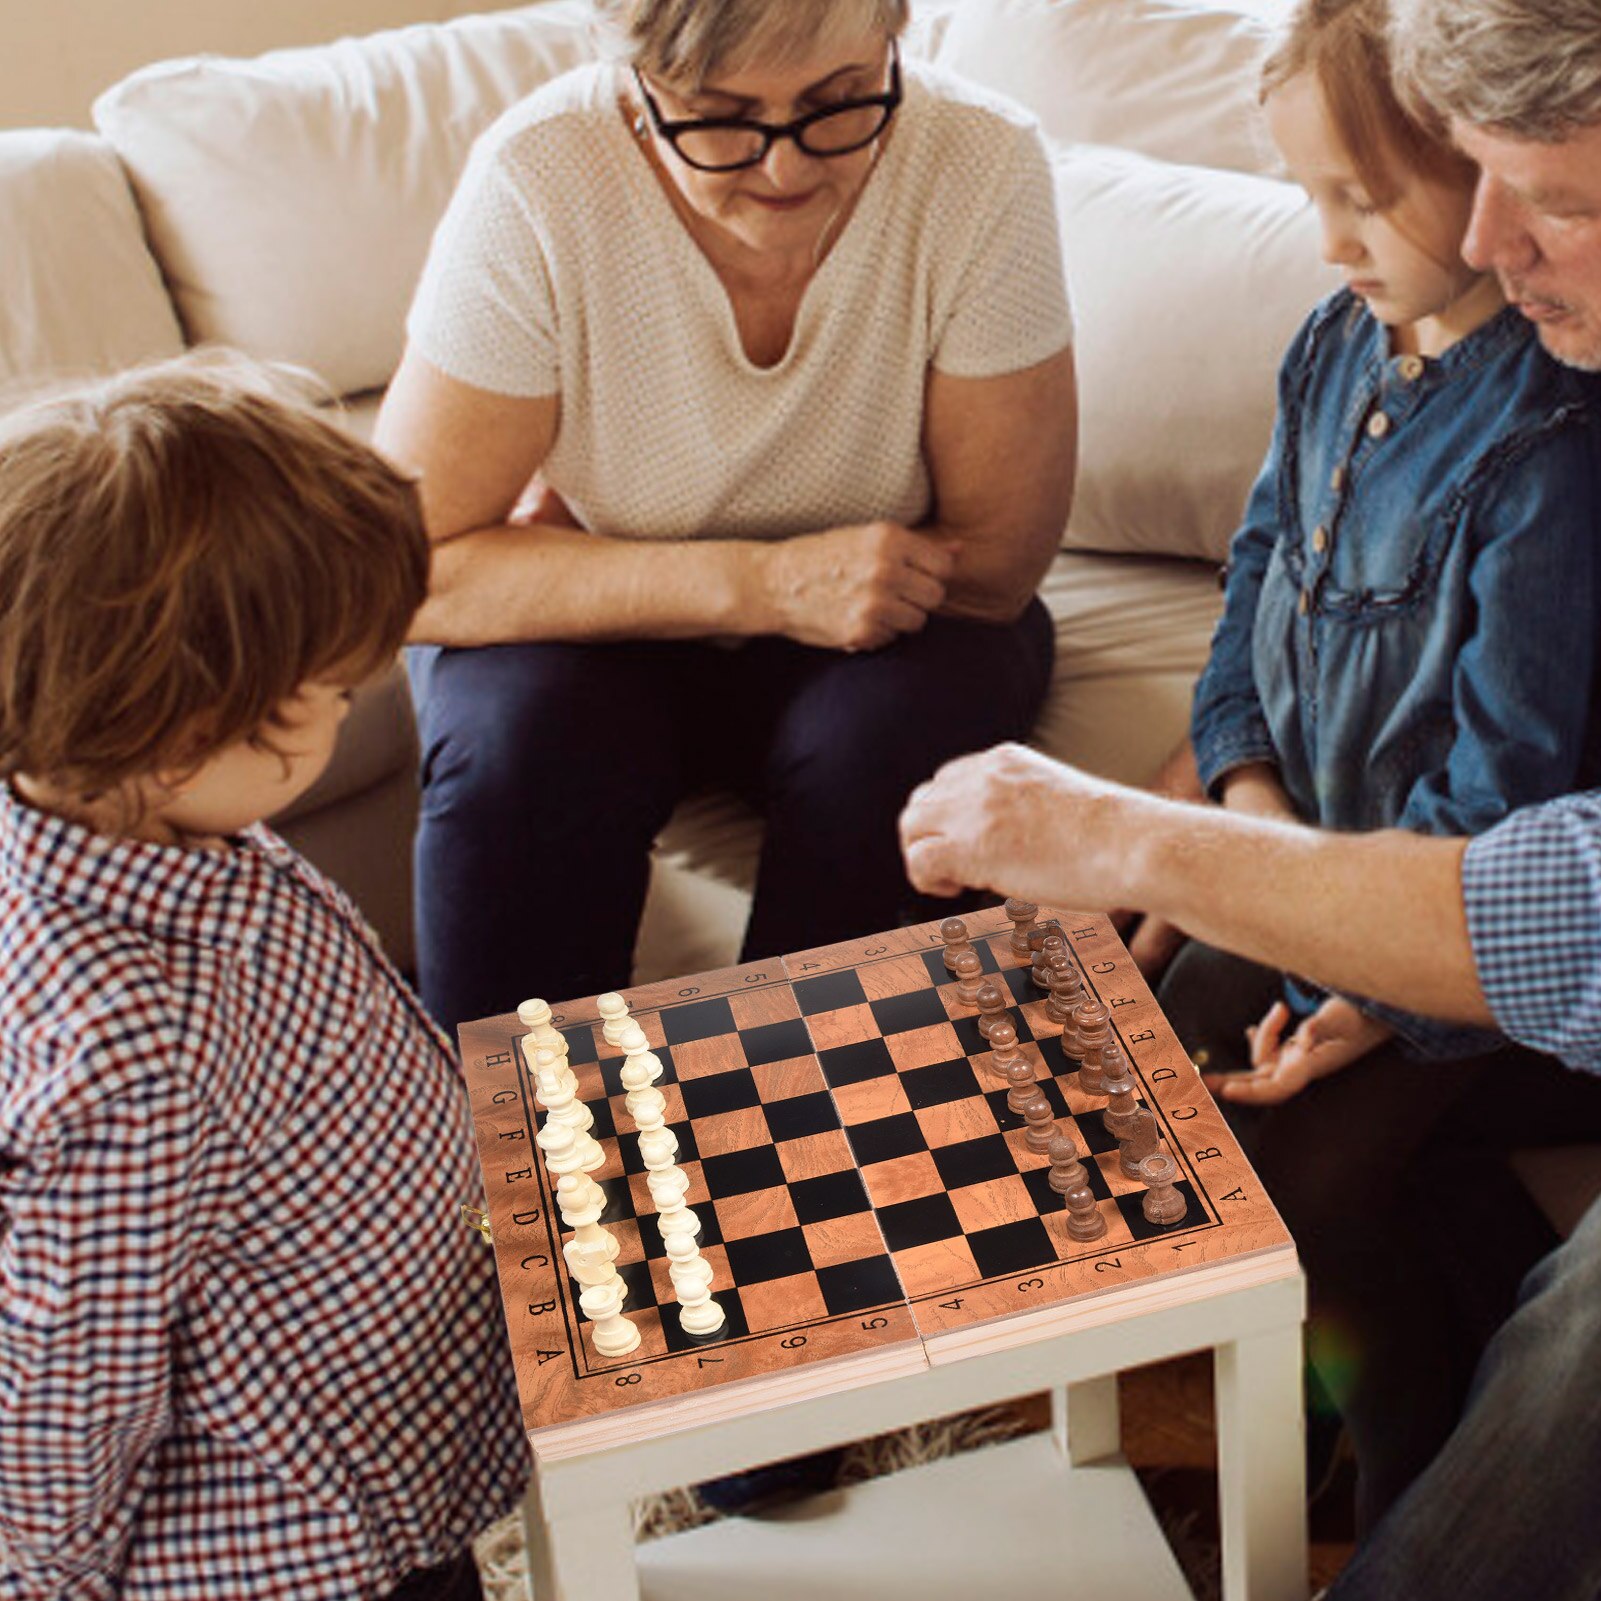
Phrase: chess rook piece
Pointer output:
(1163, 1203)
(991, 1006)
(1139, 1143)
(1117, 1084)
(602, 1304)
(1041, 1120)
(1019, 1073)
(1052, 945)
(535, 1016)
(969, 972)
(1093, 1026)
(1022, 914)
(954, 932)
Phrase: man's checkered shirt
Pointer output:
(247, 1347)
(1532, 886)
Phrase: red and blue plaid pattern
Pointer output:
(247, 1347)
(1532, 886)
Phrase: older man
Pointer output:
(1503, 928)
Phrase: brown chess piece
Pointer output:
(1019, 1073)
(1067, 990)
(1004, 1050)
(1140, 1143)
(969, 971)
(991, 1006)
(1117, 1084)
(1163, 1203)
(1093, 1026)
(1041, 1121)
(1022, 914)
(954, 932)
(1070, 1179)
(1052, 945)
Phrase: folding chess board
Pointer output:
(866, 1199)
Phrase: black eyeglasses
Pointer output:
(726, 144)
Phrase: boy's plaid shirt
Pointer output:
(247, 1346)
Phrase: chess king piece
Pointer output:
(1070, 1179)
(1163, 1203)
(1022, 914)
(954, 933)
(969, 972)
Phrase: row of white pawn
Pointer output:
(572, 1153)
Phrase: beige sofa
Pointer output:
(284, 204)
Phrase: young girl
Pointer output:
(1407, 641)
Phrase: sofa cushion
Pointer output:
(1170, 78)
(82, 292)
(1187, 285)
(290, 198)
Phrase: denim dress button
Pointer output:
(1337, 480)
(1410, 368)
(1320, 539)
(1378, 425)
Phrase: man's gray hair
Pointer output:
(1528, 68)
(688, 41)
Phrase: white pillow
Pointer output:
(82, 293)
(1187, 285)
(1170, 78)
(290, 198)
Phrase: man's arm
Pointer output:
(1372, 914)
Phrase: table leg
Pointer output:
(1262, 1467)
(1085, 1420)
(536, 1544)
(591, 1554)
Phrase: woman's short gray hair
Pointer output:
(688, 41)
(1528, 68)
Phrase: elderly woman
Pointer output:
(778, 322)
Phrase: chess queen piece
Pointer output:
(1070, 1179)
(1022, 914)
(1163, 1203)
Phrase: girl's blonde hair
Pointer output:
(183, 547)
(1344, 44)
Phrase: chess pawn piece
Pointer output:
(613, 1017)
(667, 1188)
(691, 1273)
(1051, 945)
(555, 1092)
(568, 1149)
(658, 1145)
(648, 1108)
(547, 1062)
(1140, 1142)
(602, 1304)
(1041, 1122)
(641, 1065)
(991, 1006)
(1066, 992)
(969, 972)
(1117, 1084)
(1163, 1203)
(1004, 1050)
(1070, 1179)
(1022, 914)
(954, 932)
(1094, 1029)
(1019, 1073)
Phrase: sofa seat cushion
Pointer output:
(290, 198)
(82, 292)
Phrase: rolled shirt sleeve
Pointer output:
(1532, 890)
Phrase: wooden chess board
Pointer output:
(867, 1202)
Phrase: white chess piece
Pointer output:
(602, 1304)
(556, 1092)
(535, 1016)
(691, 1273)
(568, 1159)
(614, 1016)
(667, 1188)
